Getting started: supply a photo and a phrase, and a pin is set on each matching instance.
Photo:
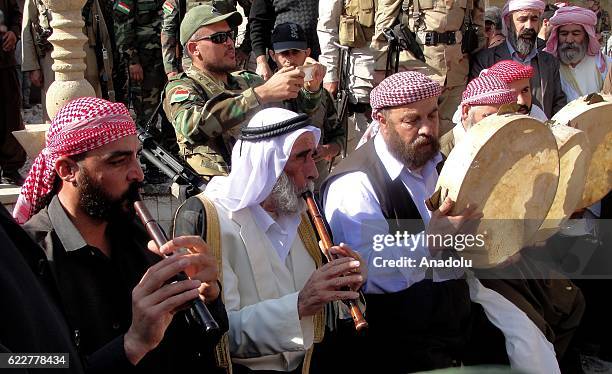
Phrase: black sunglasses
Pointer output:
(218, 37)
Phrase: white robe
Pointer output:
(588, 76)
(265, 332)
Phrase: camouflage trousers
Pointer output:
(145, 95)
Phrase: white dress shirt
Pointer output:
(355, 218)
(354, 214)
(281, 231)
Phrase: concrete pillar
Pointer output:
(68, 54)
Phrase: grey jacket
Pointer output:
(545, 84)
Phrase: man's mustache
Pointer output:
(569, 46)
(524, 109)
(424, 140)
(528, 34)
(133, 192)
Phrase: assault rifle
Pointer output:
(190, 183)
(400, 38)
(342, 96)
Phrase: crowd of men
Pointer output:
(357, 101)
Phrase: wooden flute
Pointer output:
(198, 309)
(321, 227)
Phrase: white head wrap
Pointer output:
(515, 5)
(256, 165)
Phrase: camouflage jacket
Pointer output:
(137, 27)
(170, 36)
(207, 114)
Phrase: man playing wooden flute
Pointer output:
(275, 285)
(124, 313)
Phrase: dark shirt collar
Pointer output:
(68, 234)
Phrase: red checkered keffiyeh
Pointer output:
(402, 88)
(488, 90)
(81, 125)
(509, 71)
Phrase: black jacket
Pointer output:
(265, 14)
(95, 295)
(31, 321)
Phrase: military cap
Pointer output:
(203, 15)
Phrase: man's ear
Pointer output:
(272, 54)
(66, 169)
(308, 52)
(192, 48)
(382, 121)
(464, 113)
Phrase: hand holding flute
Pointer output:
(165, 289)
(343, 273)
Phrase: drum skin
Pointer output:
(574, 158)
(508, 165)
(595, 119)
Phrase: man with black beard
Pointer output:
(124, 312)
(521, 24)
(275, 285)
(574, 41)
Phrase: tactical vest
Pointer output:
(213, 157)
(99, 35)
(357, 23)
(443, 29)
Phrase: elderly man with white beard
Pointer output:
(583, 66)
(521, 22)
(275, 286)
(573, 40)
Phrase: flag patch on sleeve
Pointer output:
(168, 7)
(179, 96)
(123, 7)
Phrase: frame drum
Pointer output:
(508, 165)
(574, 158)
(593, 115)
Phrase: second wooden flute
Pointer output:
(198, 308)
(319, 223)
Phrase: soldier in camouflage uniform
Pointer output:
(173, 13)
(207, 104)
(137, 29)
(440, 32)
